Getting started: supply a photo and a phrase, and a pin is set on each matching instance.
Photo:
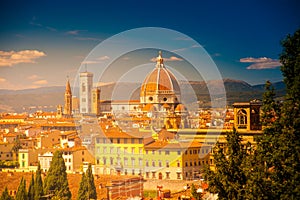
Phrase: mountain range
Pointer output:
(47, 98)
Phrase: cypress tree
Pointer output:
(38, 186)
(22, 193)
(83, 188)
(229, 177)
(92, 194)
(56, 181)
(5, 195)
(31, 188)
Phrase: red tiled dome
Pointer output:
(160, 81)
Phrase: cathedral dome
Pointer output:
(160, 85)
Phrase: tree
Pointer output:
(5, 195)
(83, 188)
(31, 188)
(56, 181)
(91, 183)
(260, 161)
(276, 162)
(21, 192)
(87, 189)
(286, 176)
(194, 193)
(38, 186)
(229, 177)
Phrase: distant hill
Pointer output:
(46, 98)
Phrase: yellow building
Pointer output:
(117, 152)
(173, 160)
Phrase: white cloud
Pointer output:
(261, 63)
(73, 32)
(90, 62)
(33, 77)
(183, 38)
(172, 58)
(10, 58)
(87, 38)
(265, 65)
(186, 48)
(40, 82)
(103, 58)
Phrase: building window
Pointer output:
(167, 152)
(23, 155)
(159, 163)
(153, 163)
(104, 140)
(132, 140)
(178, 152)
(167, 175)
(125, 172)
(159, 152)
(147, 174)
(126, 161)
(147, 163)
(82, 153)
(132, 162)
(140, 141)
(111, 150)
(118, 150)
(178, 175)
(141, 150)
(98, 161)
(146, 151)
(104, 161)
(118, 140)
(133, 172)
(104, 150)
(167, 163)
(153, 152)
(132, 150)
(69, 159)
(140, 162)
(125, 150)
(178, 163)
(111, 161)
(153, 174)
(125, 140)
(242, 117)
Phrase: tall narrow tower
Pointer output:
(68, 100)
(96, 101)
(85, 92)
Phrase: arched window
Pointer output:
(242, 117)
(83, 87)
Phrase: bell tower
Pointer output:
(68, 100)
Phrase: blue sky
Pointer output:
(43, 42)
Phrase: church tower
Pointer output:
(85, 92)
(68, 100)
